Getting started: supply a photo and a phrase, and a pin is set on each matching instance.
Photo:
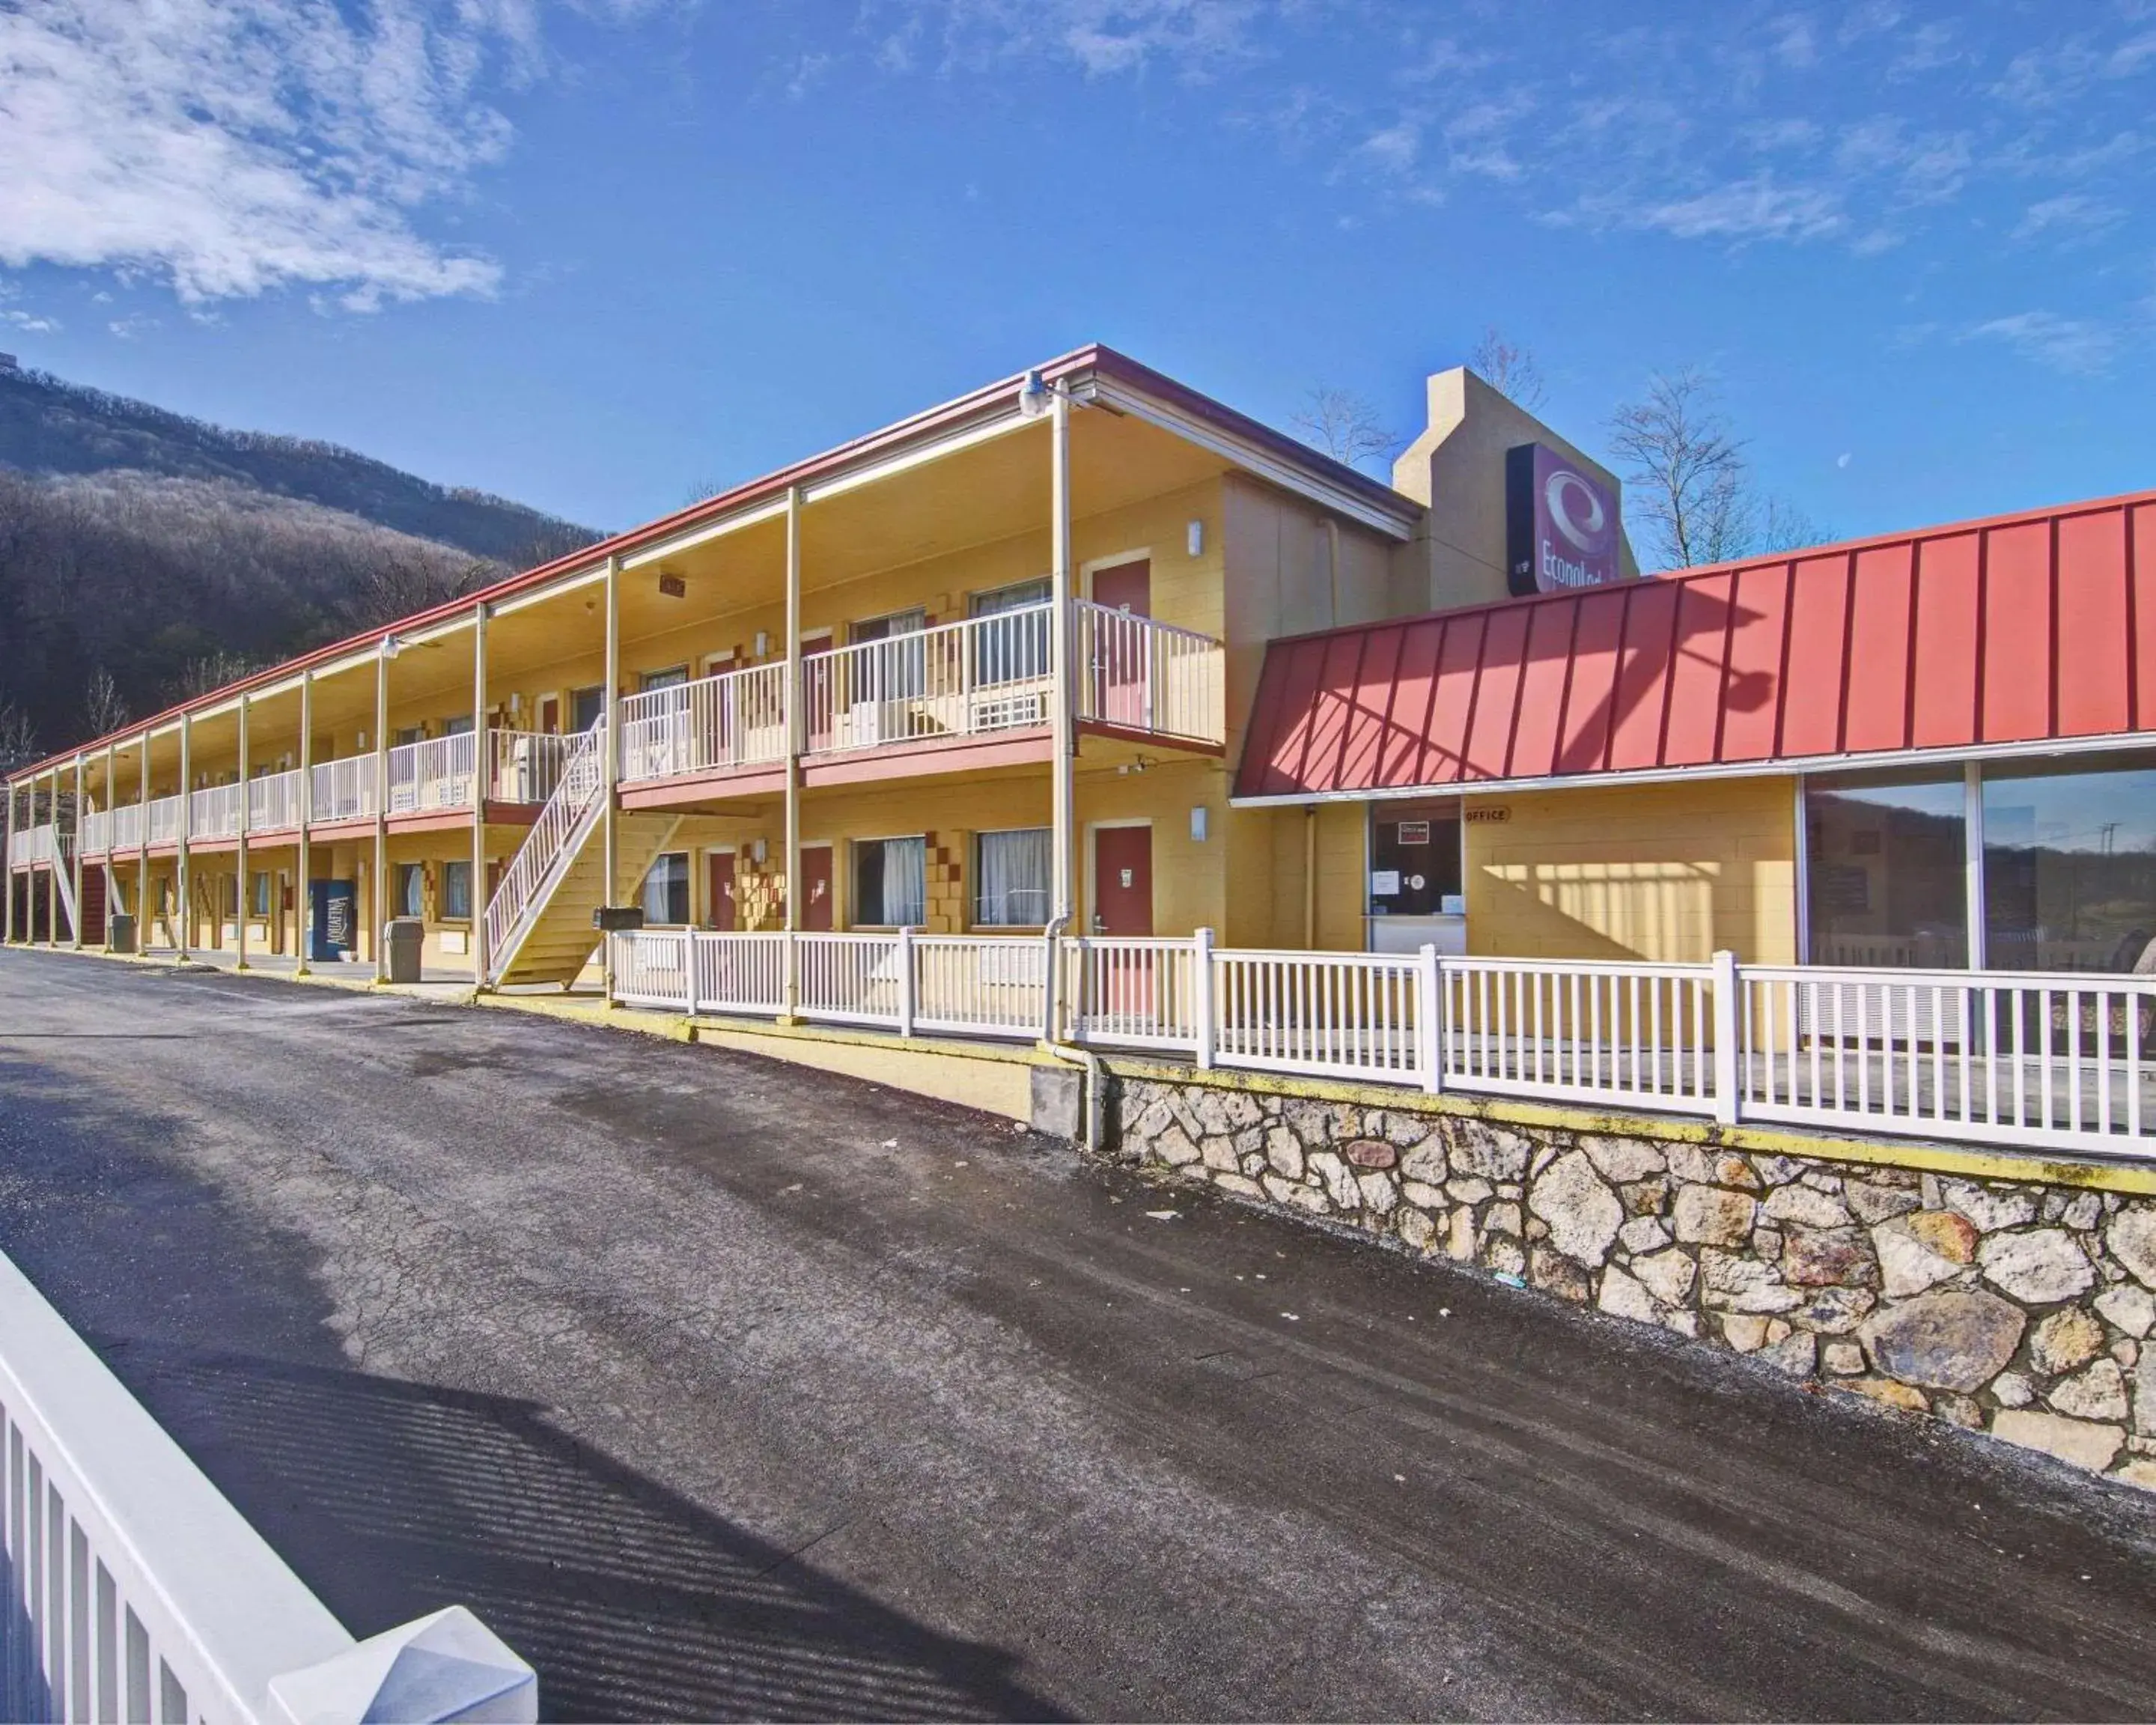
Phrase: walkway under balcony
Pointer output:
(978, 693)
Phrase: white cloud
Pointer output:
(29, 322)
(234, 147)
(1748, 210)
(2065, 344)
(2071, 214)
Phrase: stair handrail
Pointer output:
(532, 874)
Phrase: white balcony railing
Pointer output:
(164, 819)
(987, 673)
(1139, 675)
(524, 766)
(94, 835)
(436, 774)
(735, 719)
(346, 789)
(274, 802)
(35, 846)
(214, 813)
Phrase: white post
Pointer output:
(8, 910)
(1725, 1037)
(1063, 763)
(379, 906)
(243, 886)
(75, 933)
(689, 964)
(610, 756)
(905, 982)
(183, 937)
(482, 782)
(303, 894)
(1429, 1018)
(796, 740)
(143, 856)
(111, 827)
(1201, 962)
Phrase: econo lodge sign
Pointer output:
(1560, 524)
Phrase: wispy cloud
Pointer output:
(232, 147)
(2075, 345)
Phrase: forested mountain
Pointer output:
(144, 556)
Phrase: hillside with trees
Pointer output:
(144, 556)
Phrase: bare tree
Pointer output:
(1344, 425)
(213, 671)
(19, 737)
(1782, 527)
(401, 584)
(102, 705)
(1686, 469)
(1509, 369)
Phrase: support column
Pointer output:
(7, 910)
(111, 829)
(52, 868)
(242, 895)
(184, 929)
(796, 739)
(1061, 618)
(482, 781)
(142, 855)
(378, 898)
(610, 758)
(75, 863)
(303, 891)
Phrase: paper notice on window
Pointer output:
(1384, 883)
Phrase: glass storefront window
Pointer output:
(1415, 860)
(1887, 857)
(2070, 864)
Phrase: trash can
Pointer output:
(120, 932)
(406, 943)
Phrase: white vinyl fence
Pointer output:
(2066, 1061)
(134, 1590)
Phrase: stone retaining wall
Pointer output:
(2016, 1307)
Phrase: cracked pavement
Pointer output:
(716, 1401)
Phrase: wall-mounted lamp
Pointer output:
(762, 642)
(1198, 824)
(390, 646)
(758, 851)
(1033, 395)
(1193, 538)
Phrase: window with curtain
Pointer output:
(410, 895)
(1016, 650)
(1011, 878)
(1888, 868)
(456, 891)
(258, 895)
(891, 882)
(666, 890)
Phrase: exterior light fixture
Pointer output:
(1199, 815)
(390, 647)
(1195, 538)
(1033, 395)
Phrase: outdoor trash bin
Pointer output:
(407, 937)
(120, 932)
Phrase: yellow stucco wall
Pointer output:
(1669, 872)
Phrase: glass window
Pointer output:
(672, 679)
(410, 898)
(1415, 866)
(456, 891)
(2070, 864)
(666, 890)
(891, 888)
(456, 727)
(1011, 879)
(1887, 860)
(1015, 649)
(584, 705)
(258, 895)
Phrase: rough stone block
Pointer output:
(1834, 1312)
(2133, 1309)
(2132, 1239)
(1620, 1160)
(1646, 1197)
(1827, 1257)
(1797, 1355)
(1469, 1190)
(2075, 1441)
(1740, 1284)
(1429, 1197)
(1990, 1209)
(1555, 1273)
(1623, 1296)
(1417, 1230)
(1887, 1393)
(1806, 1206)
(1284, 1152)
(2039, 1266)
(1426, 1162)
(1909, 1262)
(1668, 1276)
(2098, 1394)
(1745, 1332)
(1873, 1203)
(1643, 1234)
(1378, 1193)
(1495, 1152)
(2064, 1341)
(1950, 1341)
(1372, 1152)
(1584, 1214)
(1241, 1186)
(1709, 1215)
(1844, 1359)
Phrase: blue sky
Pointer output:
(595, 256)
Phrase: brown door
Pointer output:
(816, 888)
(819, 692)
(1119, 651)
(550, 716)
(1122, 881)
(719, 908)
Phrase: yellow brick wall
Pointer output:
(1667, 872)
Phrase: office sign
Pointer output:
(1560, 524)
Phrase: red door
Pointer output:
(820, 693)
(816, 888)
(1122, 905)
(719, 907)
(1119, 654)
(550, 716)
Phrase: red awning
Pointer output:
(2014, 629)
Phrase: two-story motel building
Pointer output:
(1086, 650)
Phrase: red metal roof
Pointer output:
(2013, 630)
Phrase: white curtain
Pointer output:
(1013, 885)
(904, 882)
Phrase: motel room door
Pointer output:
(719, 906)
(1121, 650)
(1122, 905)
(816, 886)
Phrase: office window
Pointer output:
(1011, 878)
(2070, 864)
(408, 890)
(456, 891)
(1887, 857)
(666, 889)
(891, 882)
(1416, 867)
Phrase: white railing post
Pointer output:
(1429, 1018)
(689, 964)
(906, 987)
(1201, 973)
(1725, 987)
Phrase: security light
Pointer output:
(1033, 395)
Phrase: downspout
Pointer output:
(1094, 1117)
(1310, 877)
